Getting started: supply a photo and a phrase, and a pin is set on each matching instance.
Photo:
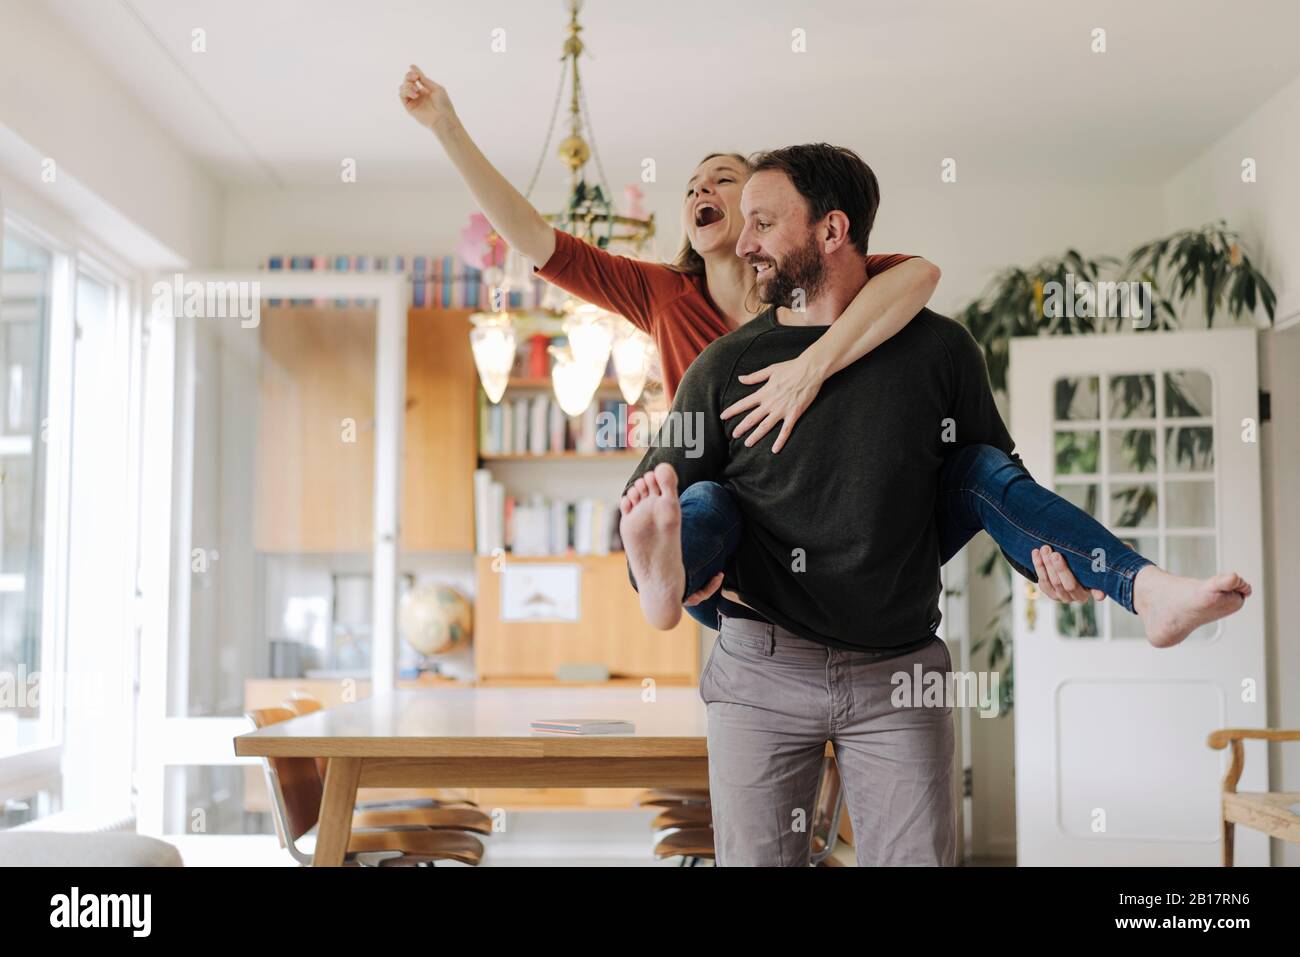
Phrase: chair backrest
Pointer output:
(297, 780)
(826, 814)
(303, 703)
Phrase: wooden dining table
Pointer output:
(481, 737)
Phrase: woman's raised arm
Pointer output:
(510, 214)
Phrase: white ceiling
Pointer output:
(288, 88)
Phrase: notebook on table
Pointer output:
(584, 726)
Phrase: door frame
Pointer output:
(164, 741)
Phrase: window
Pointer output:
(26, 293)
(1136, 452)
(67, 562)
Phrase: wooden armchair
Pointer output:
(1276, 813)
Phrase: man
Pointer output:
(838, 571)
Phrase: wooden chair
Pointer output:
(395, 811)
(826, 818)
(296, 790)
(673, 797)
(1273, 812)
(692, 844)
(686, 815)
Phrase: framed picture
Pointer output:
(541, 592)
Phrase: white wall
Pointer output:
(119, 174)
(1264, 212)
(1210, 187)
(969, 229)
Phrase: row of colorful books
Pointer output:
(540, 526)
(435, 281)
(537, 425)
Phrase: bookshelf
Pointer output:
(607, 387)
(556, 503)
(532, 456)
(621, 455)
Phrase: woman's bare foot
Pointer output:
(1172, 607)
(651, 531)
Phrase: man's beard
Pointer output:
(802, 269)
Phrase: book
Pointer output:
(600, 528)
(500, 429)
(586, 435)
(484, 424)
(584, 726)
(497, 518)
(582, 527)
(538, 429)
(557, 427)
(559, 528)
(520, 427)
(482, 511)
(532, 530)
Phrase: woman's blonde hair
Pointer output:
(687, 260)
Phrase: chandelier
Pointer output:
(589, 215)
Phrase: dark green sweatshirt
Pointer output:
(840, 541)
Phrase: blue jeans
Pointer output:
(979, 487)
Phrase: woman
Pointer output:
(706, 293)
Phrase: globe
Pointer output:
(435, 619)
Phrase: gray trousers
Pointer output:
(774, 700)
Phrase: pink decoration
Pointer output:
(475, 250)
(634, 198)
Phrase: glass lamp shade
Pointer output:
(493, 342)
(591, 335)
(518, 274)
(554, 298)
(574, 381)
(631, 361)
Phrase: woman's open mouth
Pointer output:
(706, 214)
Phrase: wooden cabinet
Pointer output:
(441, 444)
(610, 630)
(316, 431)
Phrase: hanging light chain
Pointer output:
(595, 150)
(550, 128)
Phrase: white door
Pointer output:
(1152, 434)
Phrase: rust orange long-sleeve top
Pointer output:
(674, 309)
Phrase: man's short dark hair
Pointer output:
(829, 177)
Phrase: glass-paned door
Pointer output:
(1151, 434)
(284, 440)
(1135, 450)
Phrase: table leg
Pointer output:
(335, 827)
